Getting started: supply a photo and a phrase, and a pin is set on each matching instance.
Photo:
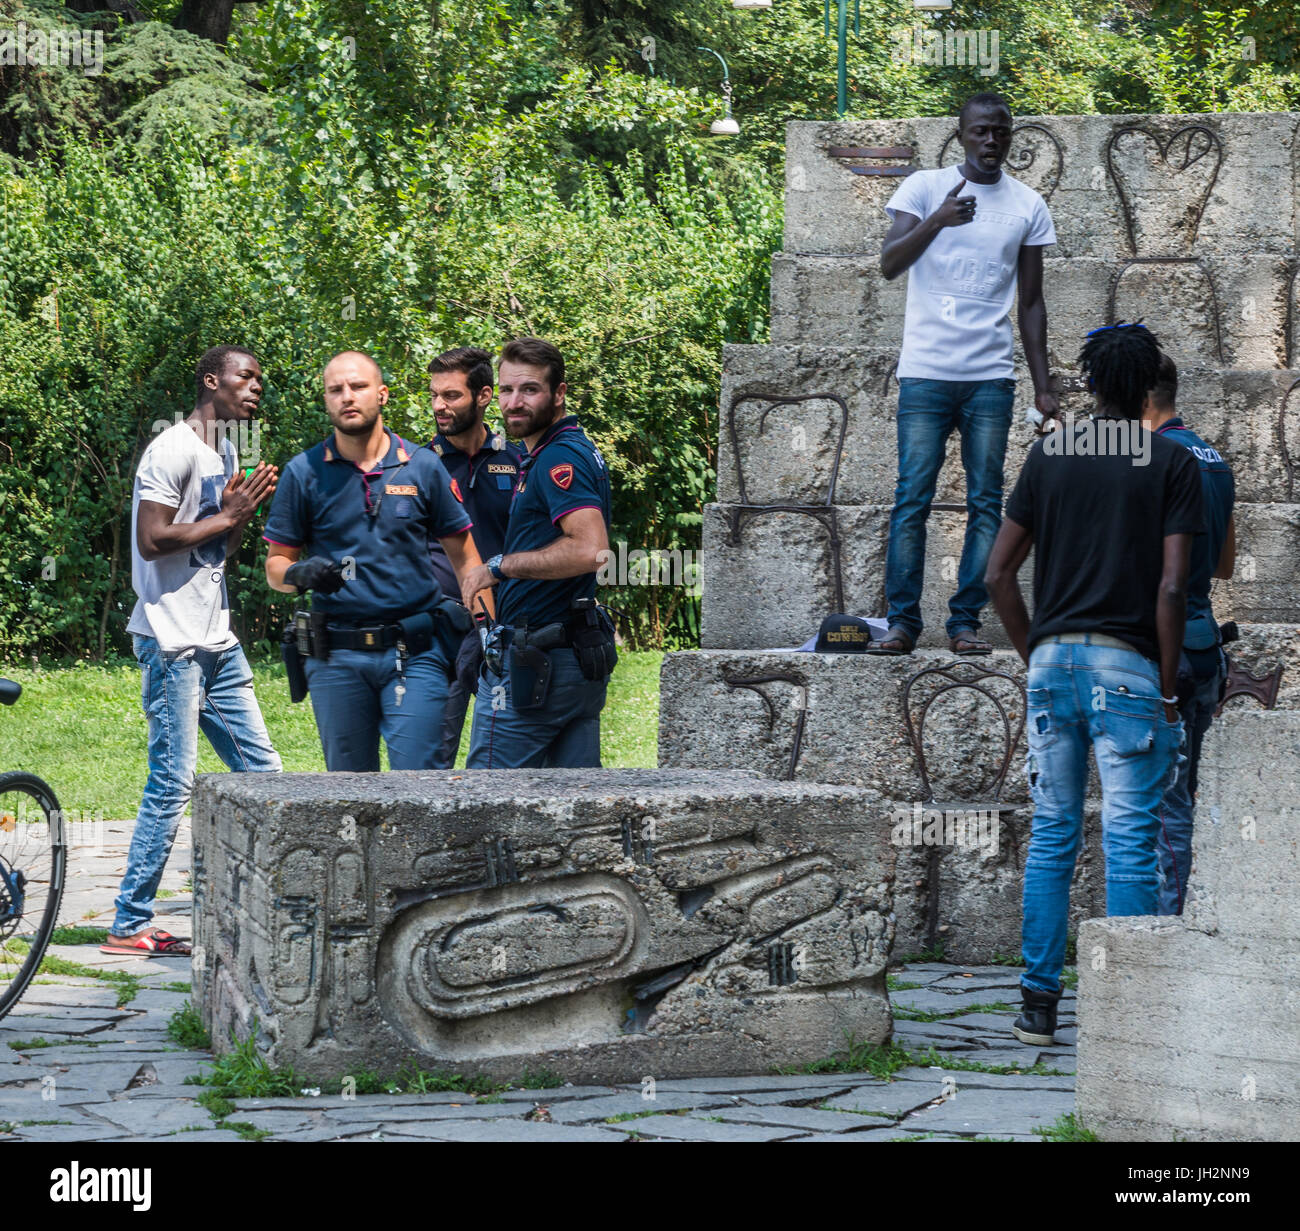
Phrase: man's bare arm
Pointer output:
(577, 551)
(158, 533)
(278, 559)
(1031, 313)
(1002, 579)
(1228, 555)
(1171, 613)
(910, 236)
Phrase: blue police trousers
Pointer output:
(354, 696)
(561, 733)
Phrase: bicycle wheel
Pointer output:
(33, 862)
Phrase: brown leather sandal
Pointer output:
(968, 643)
(896, 642)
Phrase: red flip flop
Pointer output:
(153, 942)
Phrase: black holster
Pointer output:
(530, 668)
(293, 668)
(451, 621)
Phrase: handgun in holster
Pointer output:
(295, 646)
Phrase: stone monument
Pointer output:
(1188, 222)
(606, 925)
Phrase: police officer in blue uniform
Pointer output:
(351, 522)
(483, 466)
(547, 662)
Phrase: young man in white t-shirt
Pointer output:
(968, 237)
(188, 513)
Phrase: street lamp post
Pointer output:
(725, 126)
(842, 42)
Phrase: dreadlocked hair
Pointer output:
(1122, 362)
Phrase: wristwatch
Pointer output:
(494, 566)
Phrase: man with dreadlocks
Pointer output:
(1111, 510)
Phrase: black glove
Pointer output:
(469, 660)
(594, 646)
(316, 573)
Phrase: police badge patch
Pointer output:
(562, 476)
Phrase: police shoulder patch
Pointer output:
(455, 490)
(562, 476)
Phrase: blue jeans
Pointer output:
(355, 700)
(1081, 695)
(928, 410)
(1178, 809)
(197, 690)
(563, 732)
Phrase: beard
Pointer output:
(361, 427)
(460, 423)
(538, 421)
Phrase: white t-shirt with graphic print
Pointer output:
(961, 288)
(181, 597)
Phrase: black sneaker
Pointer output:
(1037, 1020)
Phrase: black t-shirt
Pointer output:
(1098, 523)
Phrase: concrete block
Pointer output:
(604, 924)
(839, 718)
(1179, 186)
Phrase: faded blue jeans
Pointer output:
(1179, 806)
(1107, 698)
(928, 411)
(195, 690)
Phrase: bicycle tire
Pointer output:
(53, 835)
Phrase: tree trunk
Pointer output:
(208, 19)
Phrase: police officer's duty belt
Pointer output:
(363, 637)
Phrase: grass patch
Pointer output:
(31, 1044)
(925, 955)
(538, 1079)
(857, 1057)
(1070, 977)
(186, 1028)
(899, 985)
(164, 894)
(624, 1116)
(128, 986)
(853, 1111)
(913, 1015)
(932, 1059)
(78, 936)
(1006, 959)
(1066, 1128)
(175, 987)
(82, 729)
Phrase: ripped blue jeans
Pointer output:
(1109, 699)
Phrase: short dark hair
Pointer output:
(1165, 391)
(1122, 362)
(537, 353)
(473, 361)
(213, 363)
(987, 99)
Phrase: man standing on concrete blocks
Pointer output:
(189, 511)
(968, 236)
(1111, 510)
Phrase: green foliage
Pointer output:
(1066, 1128)
(401, 178)
(186, 1028)
(79, 936)
(858, 1057)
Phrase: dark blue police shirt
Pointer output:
(562, 474)
(324, 504)
(1217, 493)
(485, 481)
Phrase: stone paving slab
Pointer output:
(796, 1117)
(688, 1128)
(94, 1066)
(932, 1000)
(505, 1130)
(889, 1098)
(991, 1112)
(634, 1104)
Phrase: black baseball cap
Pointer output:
(843, 634)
